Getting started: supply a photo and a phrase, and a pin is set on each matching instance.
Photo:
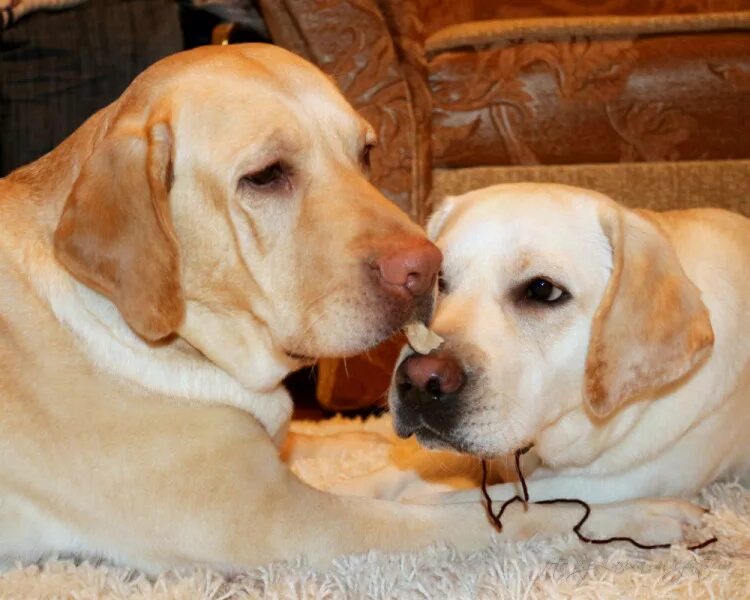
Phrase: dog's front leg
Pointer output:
(592, 489)
(320, 526)
(249, 509)
(227, 500)
(646, 520)
(173, 486)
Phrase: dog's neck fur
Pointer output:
(173, 368)
(36, 193)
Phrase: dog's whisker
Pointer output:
(326, 294)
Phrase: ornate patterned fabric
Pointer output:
(588, 100)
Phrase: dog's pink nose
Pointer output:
(414, 267)
(435, 374)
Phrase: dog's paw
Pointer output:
(648, 521)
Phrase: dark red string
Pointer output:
(496, 518)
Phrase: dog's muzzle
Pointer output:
(426, 403)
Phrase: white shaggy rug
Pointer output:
(556, 568)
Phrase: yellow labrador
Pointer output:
(161, 271)
(615, 341)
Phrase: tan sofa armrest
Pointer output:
(504, 31)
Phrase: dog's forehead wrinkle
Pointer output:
(251, 80)
(517, 238)
(314, 127)
(246, 138)
(329, 111)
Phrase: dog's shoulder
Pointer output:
(717, 219)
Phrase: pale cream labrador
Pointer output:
(615, 341)
(161, 271)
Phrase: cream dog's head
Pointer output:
(552, 297)
(226, 200)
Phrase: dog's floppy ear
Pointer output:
(651, 327)
(115, 233)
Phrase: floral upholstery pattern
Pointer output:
(584, 100)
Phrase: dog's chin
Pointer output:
(434, 439)
(439, 441)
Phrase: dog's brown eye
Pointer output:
(543, 290)
(269, 177)
(365, 159)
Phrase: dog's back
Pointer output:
(714, 248)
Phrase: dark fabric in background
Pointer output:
(58, 68)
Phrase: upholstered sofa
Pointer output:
(646, 100)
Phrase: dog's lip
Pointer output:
(430, 435)
(424, 430)
(300, 357)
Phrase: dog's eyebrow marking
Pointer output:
(275, 146)
(523, 261)
(529, 263)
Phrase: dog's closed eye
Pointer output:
(275, 177)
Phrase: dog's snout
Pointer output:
(433, 376)
(413, 267)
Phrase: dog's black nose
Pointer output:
(424, 378)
